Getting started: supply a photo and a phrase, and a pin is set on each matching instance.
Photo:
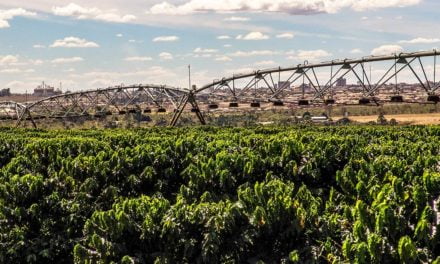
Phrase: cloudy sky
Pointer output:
(94, 44)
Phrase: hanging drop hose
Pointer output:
(331, 81)
(255, 87)
(397, 92)
(303, 87)
(435, 67)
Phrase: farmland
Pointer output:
(355, 194)
(414, 119)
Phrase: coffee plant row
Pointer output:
(220, 195)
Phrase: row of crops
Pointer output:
(220, 195)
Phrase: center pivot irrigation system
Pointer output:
(302, 85)
(119, 100)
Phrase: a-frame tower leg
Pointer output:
(29, 116)
(189, 98)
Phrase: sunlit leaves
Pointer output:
(228, 195)
(407, 250)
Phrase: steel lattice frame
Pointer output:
(258, 85)
(102, 102)
(343, 68)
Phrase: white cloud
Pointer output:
(223, 58)
(386, 50)
(309, 55)
(36, 62)
(227, 45)
(166, 8)
(237, 19)
(203, 55)
(135, 41)
(8, 14)
(285, 36)
(201, 50)
(38, 46)
(361, 5)
(16, 84)
(8, 60)
(166, 39)
(138, 59)
(109, 17)
(119, 35)
(253, 36)
(356, 51)
(109, 78)
(16, 70)
(67, 60)
(15, 60)
(73, 42)
(264, 63)
(10, 70)
(294, 7)
(253, 53)
(243, 70)
(364, 18)
(166, 56)
(79, 12)
(223, 37)
(420, 41)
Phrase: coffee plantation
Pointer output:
(365, 194)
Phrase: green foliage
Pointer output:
(407, 250)
(220, 195)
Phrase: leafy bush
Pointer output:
(220, 195)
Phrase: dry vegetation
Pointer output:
(412, 119)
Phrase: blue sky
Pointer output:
(91, 44)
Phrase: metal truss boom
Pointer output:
(97, 103)
(302, 67)
(252, 87)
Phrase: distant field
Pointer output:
(20, 98)
(413, 119)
